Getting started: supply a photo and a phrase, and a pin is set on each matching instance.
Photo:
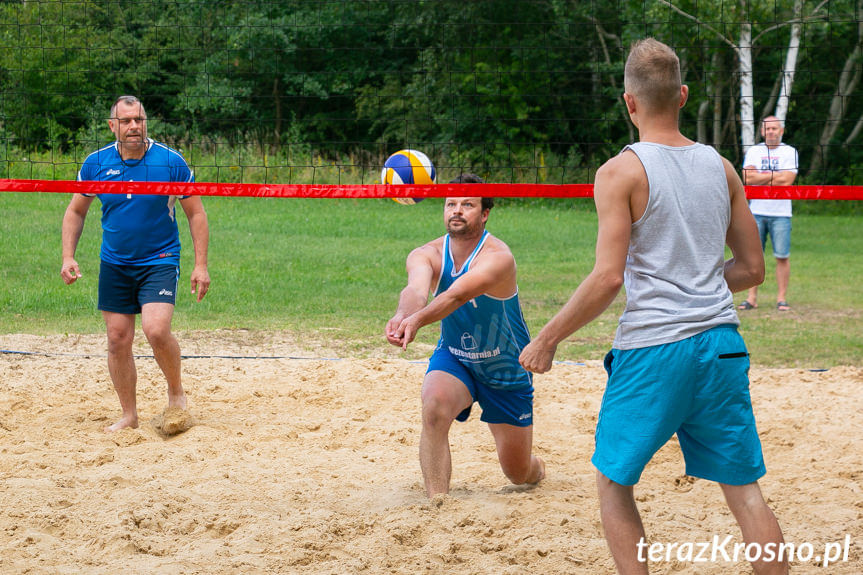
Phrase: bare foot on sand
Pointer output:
(178, 401)
(124, 422)
(541, 470)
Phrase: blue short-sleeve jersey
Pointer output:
(138, 229)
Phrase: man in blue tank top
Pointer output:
(666, 208)
(472, 276)
(140, 255)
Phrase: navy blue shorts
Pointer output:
(124, 289)
(499, 405)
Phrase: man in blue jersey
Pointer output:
(472, 276)
(666, 209)
(140, 255)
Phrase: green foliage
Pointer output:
(517, 88)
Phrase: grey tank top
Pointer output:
(674, 279)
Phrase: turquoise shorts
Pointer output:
(698, 388)
(499, 405)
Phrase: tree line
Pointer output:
(491, 84)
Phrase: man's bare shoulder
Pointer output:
(495, 247)
(495, 244)
(430, 251)
(496, 252)
(623, 167)
(621, 176)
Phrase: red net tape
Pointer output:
(817, 192)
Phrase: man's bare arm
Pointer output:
(613, 188)
(484, 275)
(73, 226)
(420, 271)
(745, 269)
(754, 177)
(199, 229)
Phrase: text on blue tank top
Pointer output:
(485, 334)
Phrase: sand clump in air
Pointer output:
(173, 420)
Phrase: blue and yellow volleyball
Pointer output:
(408, 167)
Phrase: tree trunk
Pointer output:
(848, 80)
(731, 124)
(858, 127)
(747, 97)
(602, 35)
(701, 123)
(716, 94)
(770, 106)
(714, 84)
(277, 128)
(790, 63)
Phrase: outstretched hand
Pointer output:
(401, 330)
(392, 328)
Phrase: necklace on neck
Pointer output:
(123, 160)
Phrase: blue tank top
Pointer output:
(487, 333)
(138, 229)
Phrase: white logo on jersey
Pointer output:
(468, 341)
(112, 173)
(165, 292)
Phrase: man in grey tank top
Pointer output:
(667, 207)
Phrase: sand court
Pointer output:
(307, 462)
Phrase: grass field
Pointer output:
(332, 269)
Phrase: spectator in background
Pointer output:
(772, 163)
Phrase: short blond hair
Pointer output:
(652, 74)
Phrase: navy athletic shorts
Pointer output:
(124, 289)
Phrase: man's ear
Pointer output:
(630, 102)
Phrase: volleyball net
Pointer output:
(308, 98)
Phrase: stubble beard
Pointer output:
(464, 232)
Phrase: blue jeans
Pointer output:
(779, 229)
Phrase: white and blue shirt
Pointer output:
(782, 158)
(138, 229)
(487, 333)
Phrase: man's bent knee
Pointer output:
(436, 412)
(158, 334)
(119, 340)
(607, 486)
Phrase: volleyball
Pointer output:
(408, 167)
